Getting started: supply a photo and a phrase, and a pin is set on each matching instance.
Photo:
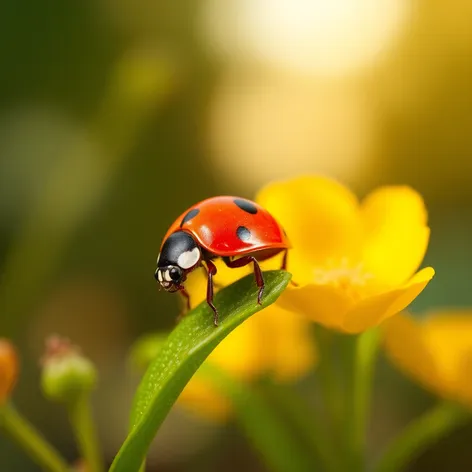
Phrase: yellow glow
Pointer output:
(265, 127)
(307, 36)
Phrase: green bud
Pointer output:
(66, 373)
(145, 349)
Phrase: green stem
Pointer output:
(80, 415)
(366, 349)
(299, 414)
(264, 427)
(360, 355)
(31, 440)
(421, 433)
(329, 384)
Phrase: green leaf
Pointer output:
(186, 348)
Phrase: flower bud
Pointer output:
(145, 349)
(66, 373)
(8, 369)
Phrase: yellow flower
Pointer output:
(274, 342)
(354, 262)
(435, 351)
(8, 369)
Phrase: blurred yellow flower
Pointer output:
(8, 369)
(435, 351)
(354, 263)
(274, 342)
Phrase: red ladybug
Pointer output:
(235, 229)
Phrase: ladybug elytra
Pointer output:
(235, 229)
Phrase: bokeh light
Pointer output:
(271, 127)
(307, 36)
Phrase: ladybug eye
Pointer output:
(175, 274)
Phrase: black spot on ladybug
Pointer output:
(191, 214)
(243, 234)
(246, 206)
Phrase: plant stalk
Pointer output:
(81, 419)
(329, 383)
(24, 433)
(358, 397)
(420, 434)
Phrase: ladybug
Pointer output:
(235, 229)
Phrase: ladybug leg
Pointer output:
(284, 260)
(206, 269)
(284, 266)
(241, 262)
(186, 295)
(211, 272)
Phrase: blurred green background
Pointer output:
(117, 116)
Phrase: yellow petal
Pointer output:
(226, 275)
(242, 353)
(291, 352)
(449, 335)
(396, 233)
(321, 218)
(324, 304)
(373, 310)
(408, 350)
(274, 340)
(436, 351)
(200, 398)
(196, 286)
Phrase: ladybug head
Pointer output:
(180, 254)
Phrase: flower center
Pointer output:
(343, 274)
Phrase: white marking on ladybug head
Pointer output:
(166, 285)
(189, 259)
(167, 276)
(159, 276)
